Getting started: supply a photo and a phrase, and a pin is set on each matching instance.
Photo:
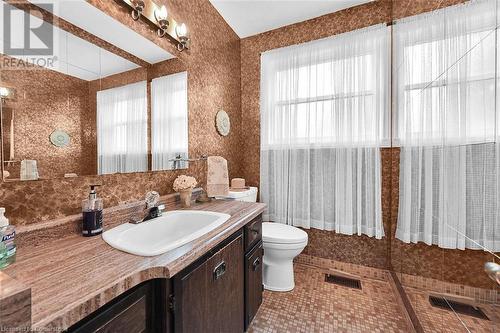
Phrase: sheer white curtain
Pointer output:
(324, 115)
(122, 136)
(169, 125)
(445, 116)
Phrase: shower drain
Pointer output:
(462, 308)
(343, 281)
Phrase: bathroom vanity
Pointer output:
(220, 292)
(213, 284)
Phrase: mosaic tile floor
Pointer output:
(317, 306)
(436, 320)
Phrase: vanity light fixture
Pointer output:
(6, 93)
(157, 16)
(181, 32)
(137, 8)
(161, 15)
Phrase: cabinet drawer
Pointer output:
(253, 282)
(253, 232)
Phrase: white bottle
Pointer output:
(7, 241)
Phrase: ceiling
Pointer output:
(252, 17)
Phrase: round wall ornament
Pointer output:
(59, 138)
(222, 123)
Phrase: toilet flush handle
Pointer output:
(493, 271)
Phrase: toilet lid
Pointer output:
(282, 233)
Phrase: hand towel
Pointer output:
(29, 170)
(217, 176)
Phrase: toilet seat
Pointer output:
(278, 233)
(282, 246)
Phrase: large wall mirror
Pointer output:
(105, 100)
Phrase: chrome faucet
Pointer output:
(152, 205)
(154, 212)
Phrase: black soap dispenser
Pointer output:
(92, 214)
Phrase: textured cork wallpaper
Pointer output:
(224, 72)
(213, 65)
(47, 100)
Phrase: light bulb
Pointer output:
(181, 30)
(161, 14)
(4, 92)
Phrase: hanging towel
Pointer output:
(29, 170)
(217, 176)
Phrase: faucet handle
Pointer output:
(161, 209)
(152, 198)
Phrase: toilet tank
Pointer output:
(249, 195)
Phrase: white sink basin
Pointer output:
(165, 233)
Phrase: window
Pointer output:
(122, 138)
(324, 117)
(169, 128)
(445, 76)
(445, 115)
(324, 102)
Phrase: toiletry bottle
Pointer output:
(92, 214)
(7, 241)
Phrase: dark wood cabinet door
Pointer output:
(209, 297)
(137, 311)
(191, 304)
(253, 282)
(226, 288)
(132, 319)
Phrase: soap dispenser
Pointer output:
(92, 214)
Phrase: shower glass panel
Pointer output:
(446, 163)
(471, 169)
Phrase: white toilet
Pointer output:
(281, 242)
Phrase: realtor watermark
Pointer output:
(28, 62)
(28, 36)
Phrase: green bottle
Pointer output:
(7, 241)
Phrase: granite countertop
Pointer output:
(73, 276)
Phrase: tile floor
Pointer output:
(437, 320)
(317, 306)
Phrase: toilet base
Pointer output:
(279, 289)
(278, 277)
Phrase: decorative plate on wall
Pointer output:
(222, 122)
(59, 138)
